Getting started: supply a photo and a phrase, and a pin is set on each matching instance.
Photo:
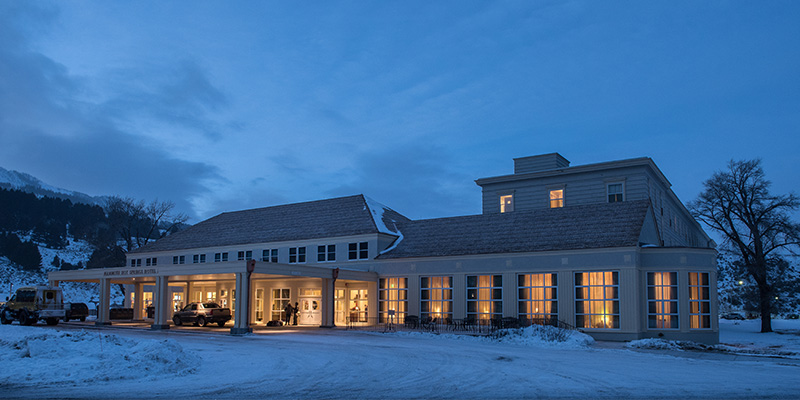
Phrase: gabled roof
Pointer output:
(569, 228)
(343, 216)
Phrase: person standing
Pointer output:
(294, 314)
(288, 310)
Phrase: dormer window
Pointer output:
(556, 198)
(506, 203)
(615, 192)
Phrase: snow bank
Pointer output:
(77, 357)
(545, 336)
(532, 336)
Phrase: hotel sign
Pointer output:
(132, 272)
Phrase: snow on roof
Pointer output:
(378, 211)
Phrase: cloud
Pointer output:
(180, 95)
(415, 177)
(48, 129)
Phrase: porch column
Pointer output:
(105, 298)
(328, 320)
(242, 314)
(138, 301)
(161, 303)
(372, 302)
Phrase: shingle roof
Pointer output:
(569, 228)
(336, 217)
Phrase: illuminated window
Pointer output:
(279, 299)
(537, 296)
(507, 203)
(436, 296)
(699, 301)
(597, 300)
(358, 251)
(557, 198)
(393, 299)
(662, 300)
(358, 305)
(297, 255)
(326, 253)
(485, 296)
(259, 305)
(269, 255)
(615, 192)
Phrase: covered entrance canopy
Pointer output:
(235, 271)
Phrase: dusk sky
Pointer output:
(222, 106)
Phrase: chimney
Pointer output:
(544, 162)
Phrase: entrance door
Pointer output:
(310, 311)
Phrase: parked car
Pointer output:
(75, 311)
(120, 313)
(32, 303)
(202, 314)
(732, 315)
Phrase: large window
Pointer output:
(297, 255)
(557, 198)
(615, 192)
(259, 305)
(484, 296)
(699, 301)
(269, 255)
(279, 299)
(507, 203)
(358, 251)
(326, 253)
(597, 300)
(662, 300)
(393, 299)
(538, 296)
(436, 296)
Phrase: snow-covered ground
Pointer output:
(68, 362)
(12, 277)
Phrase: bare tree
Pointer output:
(138, 222)
(756, 225)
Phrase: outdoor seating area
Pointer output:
(452, 325)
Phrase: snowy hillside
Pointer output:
(78, 251)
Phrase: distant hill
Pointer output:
(30, 184)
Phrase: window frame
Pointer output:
(360, 252)
(392, 296)
(299, 255)
(553, 314)
(441, 301)
(560, 201)
(659, 309)
(269, 255)
(326, 253)
(588, 298)
(621, 194)
(506, 206)
(493, 302)
(700, 301)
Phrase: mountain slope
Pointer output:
(28, 183)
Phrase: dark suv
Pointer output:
(201, 314)
(75, 311)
